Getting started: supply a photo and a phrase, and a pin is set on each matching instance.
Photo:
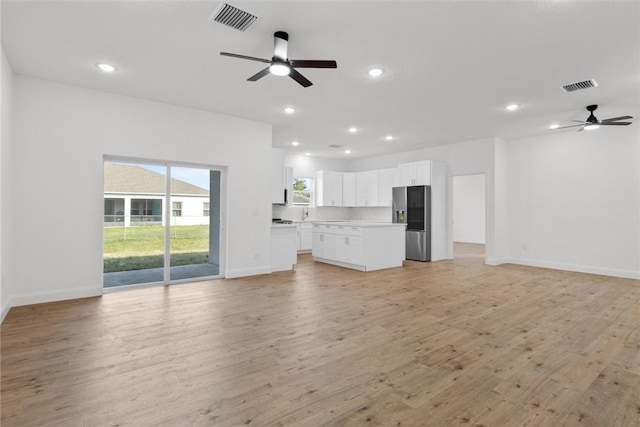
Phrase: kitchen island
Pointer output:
(364, 246)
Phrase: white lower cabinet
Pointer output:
(323, 242)
(348, 245)
(283, 247)
(304, 235)
(349, 249)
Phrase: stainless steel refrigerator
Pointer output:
(412, 206)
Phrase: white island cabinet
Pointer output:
(364, 246)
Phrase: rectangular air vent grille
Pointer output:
(336, 146)
(580, 85)
(232, 17)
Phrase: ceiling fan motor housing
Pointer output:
(591, 118)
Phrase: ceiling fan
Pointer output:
(593, 123)
(281, 65)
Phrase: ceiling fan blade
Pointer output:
(615, 119)
(259, 75)
(295, 75)
(579, 121)
(251, 58)
(614, 123)
(570, 126)
(312, 63)
(280, 43)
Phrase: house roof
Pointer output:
(120, 178)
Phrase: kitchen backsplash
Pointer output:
(297, 213)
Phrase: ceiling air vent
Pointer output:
(580, 85)
(336, 146)
(232, 17)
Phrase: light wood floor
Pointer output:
(435, 344)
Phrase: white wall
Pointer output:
(574, 201)
(6, 135)
(61, 134)
(469, 218)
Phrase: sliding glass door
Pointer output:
(161, 223)
(193, 245)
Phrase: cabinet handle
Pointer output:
(346, 240)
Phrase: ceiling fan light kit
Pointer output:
(592, 122)
(281, 65)
(279, 69)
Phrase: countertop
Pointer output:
(283, 226)
(359, 224)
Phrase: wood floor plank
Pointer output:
(431, 344)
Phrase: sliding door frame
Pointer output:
(168, 164)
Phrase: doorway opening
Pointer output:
(469, 216)
(161, 223)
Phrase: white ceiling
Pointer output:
(450, 66)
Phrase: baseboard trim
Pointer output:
(496, 261)
(474, 241)
(67, 294)
(232, 274)
(5, 309)
(623, 274)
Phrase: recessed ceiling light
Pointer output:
(295, 143)
(591, 127)
(512, 107)
(389, 137)
(347, 151)
(289, 110)
(554, 126)
(107, 68)
(307, 154)
(375, 72)
(353, 129)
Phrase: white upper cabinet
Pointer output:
(367, 188)
(386, 181)
(328, 188)
(349, 189)
(415, 173)
(288, 185)
(277, 174)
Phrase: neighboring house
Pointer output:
(135, 196)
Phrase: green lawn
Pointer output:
(135, 248)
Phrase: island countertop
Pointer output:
(359, 224)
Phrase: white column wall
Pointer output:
(61, 135)
(469, 208)
(6, 168)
